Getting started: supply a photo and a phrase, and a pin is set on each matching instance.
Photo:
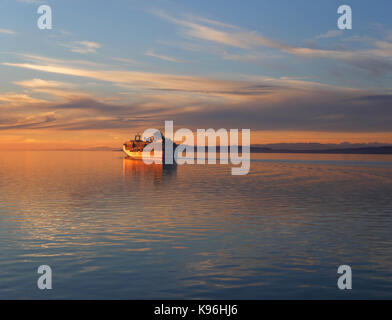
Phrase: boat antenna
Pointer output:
(161, 131)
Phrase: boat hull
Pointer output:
(138, 155)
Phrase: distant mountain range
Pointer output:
(320, 146)
(342, 148)
(363, 150)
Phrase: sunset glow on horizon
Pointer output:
(95, 81)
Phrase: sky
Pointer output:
(109, 69)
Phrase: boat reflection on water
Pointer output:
(137, 169)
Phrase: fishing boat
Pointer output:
(134, 148)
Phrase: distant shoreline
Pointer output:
(369, 150)
(386, 150)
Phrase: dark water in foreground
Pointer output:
(113, 228)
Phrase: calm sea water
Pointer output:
(112, 228)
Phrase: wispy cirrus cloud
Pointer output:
(39, 83)
(18, 99)
(36, 121)
(227, 34)
(127, 60)
(152, 53)
(59, 90)
(376, 59)
(56, 61)
(83, 47)
(7, 31)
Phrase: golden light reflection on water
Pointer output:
(138, 169)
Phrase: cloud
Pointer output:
(60, 62)
(39, 83)
(37, 121)
(83, 47)
(148, 83)
(249, 101)
(18, 99)
(306, 111)
(151, 53)
(56, 89)
(295, 108)
(7, 31)
(255, 102)
(148, 80)
(376, 60)
(330, 34)
(228, 34)
(127, 60)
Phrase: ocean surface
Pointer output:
(112, 228)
